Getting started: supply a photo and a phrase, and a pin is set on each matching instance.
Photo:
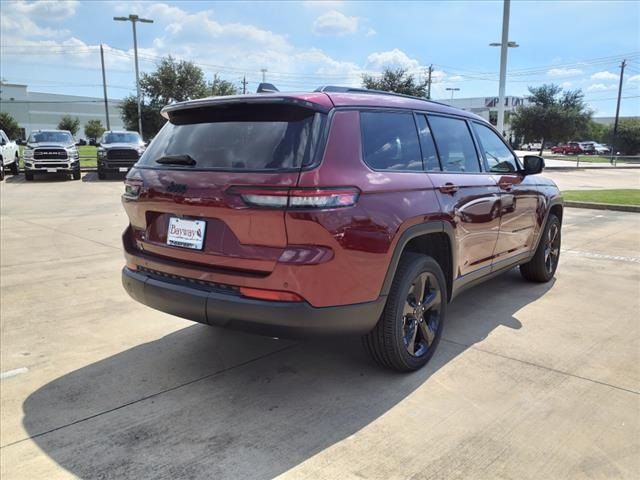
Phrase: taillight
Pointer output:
(272, 295)
(132, 189)
(297, 197)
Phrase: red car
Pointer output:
(571, 148)
(334, 212)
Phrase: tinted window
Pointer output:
(390, 141)
(241, 137)
(499, 157)
(455, 145)
(429, 154)
(121, 137)
(53, 137)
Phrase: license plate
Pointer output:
(123, 169)
(186, 233)
(52, 170)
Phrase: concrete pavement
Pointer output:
(530, 380)
(594, 179)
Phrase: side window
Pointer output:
(390, 141)
(499, 157)
(429, 154)
(4, 138)
(455, 145)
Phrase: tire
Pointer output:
(15, 166)
(101, 174)
(28, 176)
(1, 170)
(408, 332)
(76, 174)
(542, 267)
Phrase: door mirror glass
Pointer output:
(533, 164)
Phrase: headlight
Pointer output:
(27, 152)
(73, 153)
(141, 149)
(102, 153)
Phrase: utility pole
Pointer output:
(615, 124)
(504, 48)
(429, 82)
(104, 88)
(135, 19)
(264, 74)
(244, 85)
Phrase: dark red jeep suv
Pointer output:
(334, 212)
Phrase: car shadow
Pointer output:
(38, 177)
(110, 177)
(208, 403)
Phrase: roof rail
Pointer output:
(341, 89)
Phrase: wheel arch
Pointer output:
(435, 239)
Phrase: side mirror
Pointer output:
(533, 164)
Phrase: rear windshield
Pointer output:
(121, 137)
(53, 137)
(239, 137)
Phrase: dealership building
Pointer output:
(37, 110)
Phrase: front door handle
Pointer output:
(507, 187)
(449, 188)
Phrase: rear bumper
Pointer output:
(279, 319)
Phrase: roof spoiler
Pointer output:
(267, 88)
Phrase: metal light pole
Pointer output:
(452, 90)
(504, 45)
(135, 19)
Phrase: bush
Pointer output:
(627, 140)
(10, 126)
(70, 123)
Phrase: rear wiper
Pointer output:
(184, 159)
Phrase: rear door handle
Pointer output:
(449, 188)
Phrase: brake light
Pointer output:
(297, 197)
(132, 189)
(272, 295)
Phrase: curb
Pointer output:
(582, 167)
(603, 206)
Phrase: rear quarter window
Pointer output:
(390, 141)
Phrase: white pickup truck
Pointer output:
(9, 157)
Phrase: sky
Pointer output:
(54, 46)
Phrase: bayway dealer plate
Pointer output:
(186, 233)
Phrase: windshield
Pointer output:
(241, 137)
(51, 137)
(121, 137)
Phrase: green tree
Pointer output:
(67, 122)
(152, 121)
(553, 115)
(220, 87)
(9, 125)
(172, 81)
(595, 131)
(93, 129)
(397, 81)
(627, 139)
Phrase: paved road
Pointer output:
(594, 179)
(530, 381)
